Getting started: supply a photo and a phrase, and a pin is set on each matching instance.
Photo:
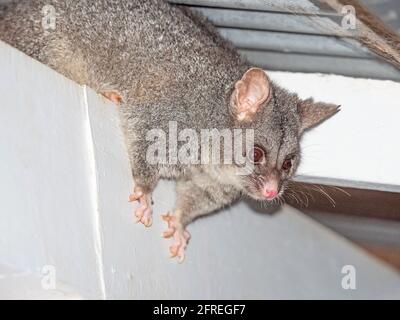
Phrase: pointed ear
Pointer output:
(250, 94)
(312, 113)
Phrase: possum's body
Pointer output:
(155, 54)
(169, 64)
(166, 62)
(148, 50)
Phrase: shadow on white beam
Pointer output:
(63, 202)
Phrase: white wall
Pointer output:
(358, 147)
(47, 175)
(65, 180)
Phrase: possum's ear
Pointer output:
(113, 95)
(250, 94)
(312, 113)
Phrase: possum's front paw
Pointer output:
(180, 235)
(144, 212)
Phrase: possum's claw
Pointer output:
(144, 212)
(171, 229)
(144, 215)
(180, 235)
(177, 249)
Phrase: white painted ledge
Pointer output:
(15, 284)
(65, 179)
(358, 147)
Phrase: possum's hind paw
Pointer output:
(144, 212)
(180, 235)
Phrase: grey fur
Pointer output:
(169, 64)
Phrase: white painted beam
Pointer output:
(47, 198)
(63, 202)
(358, 147)
(17, 285)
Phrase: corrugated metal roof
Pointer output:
(297, 35)
(293, 6)
(303, 36)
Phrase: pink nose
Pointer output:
(270, 194)
(270, 189)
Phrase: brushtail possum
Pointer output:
(163, 64)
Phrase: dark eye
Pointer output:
(287, 164)
(256, 155)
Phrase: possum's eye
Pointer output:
(256, 155)
(287, 164)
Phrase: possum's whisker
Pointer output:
(305, 197)
(340, 189)
(323, 192)
(291, 194)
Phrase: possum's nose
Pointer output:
(270, 190)
(270, 194)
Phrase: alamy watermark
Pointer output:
(349, 20)
(48, 281)
(205, 147)
(48, 18)
(349, 280)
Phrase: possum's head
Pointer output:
(278, 118)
